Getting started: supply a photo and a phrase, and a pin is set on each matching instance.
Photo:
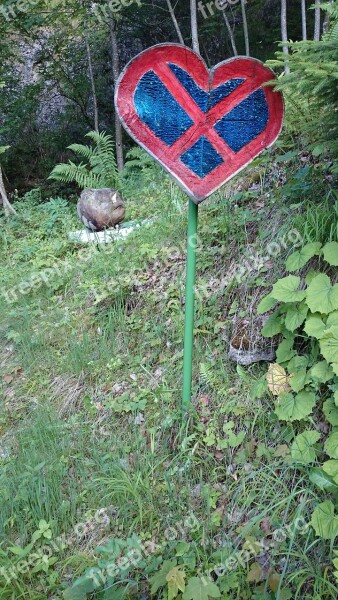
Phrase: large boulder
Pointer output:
(100, 209)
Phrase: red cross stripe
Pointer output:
(230, 161)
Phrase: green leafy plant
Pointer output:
(307, 358)
(99, 170)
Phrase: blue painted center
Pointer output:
(202, 158)
(204, 100)
(161, 112)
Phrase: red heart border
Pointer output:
(250, 69)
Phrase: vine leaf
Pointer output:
(331, 445)
(331, 468)
(330, 252)
(286, 289)
(295, 316)
(302, 450)
(298, 259)
(314, 326)
(201, 589)
(324, 521)
(321, 296)
(266, 303)
(293, 408)
(321, 372)
(329, 345)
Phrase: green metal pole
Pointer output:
(189, 304)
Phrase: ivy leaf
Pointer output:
(331, 445)
(278, 380)
(329, 345)
(293, 408)
(324, 521)
(298, 259)
(273, 326)
(321, 372)
(200, 589)
(331, 468)
(302, 450)
(321, 296)
(176, 582)
(330, 411)
(160, 578)
(314, 326)
(330, 252)
(295, 316)
(286, 289)
(322, 479)
(266, 303)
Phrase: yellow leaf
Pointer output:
(176, 582)
(278, 380)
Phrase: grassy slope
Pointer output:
(90, 398)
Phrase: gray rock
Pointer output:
(100, 209)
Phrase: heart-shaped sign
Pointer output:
(202, 126)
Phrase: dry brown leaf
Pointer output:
(278, 380)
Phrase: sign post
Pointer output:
(203, 127)
(189, 304)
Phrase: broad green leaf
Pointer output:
(330, 411)
(324, 521)
(273, 326)
(331, 445)
(314, 326)
(286, 289)
(285, 351)
(176, 582)
(302, 450)
(200, 588)
(331, 468)
(298, 362)
(335, 368)
(293, 408)
(321, 296)
(335, 396)
(298, 380)
(295, 316)
(332, 320)
(159, 579)
(329, 345)
(298, 259)
(322, 479)
(267, 303)
(330, 252)
(321, 372)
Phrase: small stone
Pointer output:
(100, 209)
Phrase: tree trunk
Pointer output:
(92, 83)
(194, 27)
(8, 208)
(304, 20)
(316, 36)
(284, 30)
(245, 28)
(116, 72)
(231, 33)
(176, 25)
